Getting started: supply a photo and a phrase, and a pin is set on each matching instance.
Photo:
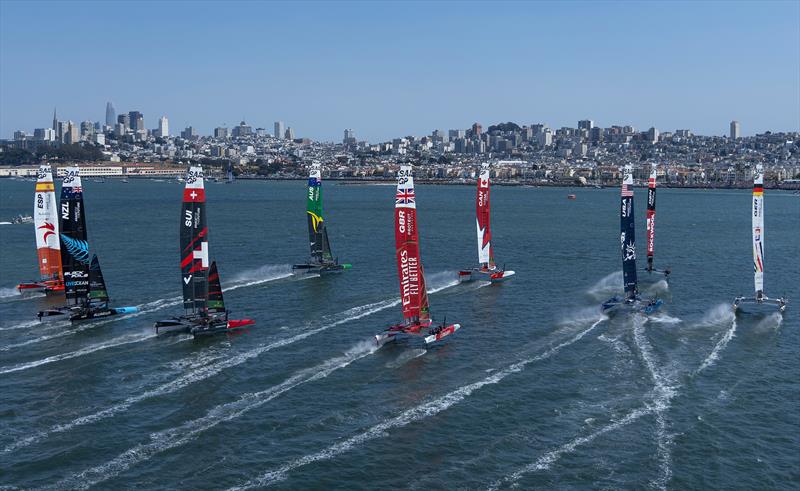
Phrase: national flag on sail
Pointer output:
(405, 197)
(627, 191)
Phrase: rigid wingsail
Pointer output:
(631, 300)
(487, 269)
(48, 245)
(760, 303)
(650, 272)
(413, 295)
(204, 308)
(321, 260)
(84, 287)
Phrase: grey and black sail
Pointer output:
(215, 301)
(97, 285)
(628, 234)
(194, 243)
(74, 244)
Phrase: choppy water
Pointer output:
(535, 391)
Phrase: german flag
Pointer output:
(758, 190)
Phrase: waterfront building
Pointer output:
(736, 130)
(111, 114)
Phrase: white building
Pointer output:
(736, 130)
(163, 127)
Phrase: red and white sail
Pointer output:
(45, 219)
(482, 213)
(413, 296)
(758, 229)
(651, 216)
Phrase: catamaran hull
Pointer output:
(311, 268)
(47, 287)
(431, 336)
(196, 327)
(754, 306)
(83, 315)
(481, 275)
(220, 327)
(620, 305)
(56, 314)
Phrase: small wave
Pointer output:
(416, 413)
(175, 437)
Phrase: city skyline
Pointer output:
(698, 67)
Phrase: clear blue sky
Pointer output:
(394, 69)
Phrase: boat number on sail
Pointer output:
(756, 203)
(410, 280)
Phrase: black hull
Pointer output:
(316, 268)
(92, 314)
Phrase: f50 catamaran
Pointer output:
(84, 287)
(487, 270)
(321, 261)
(650, 271)
(48, 246)
(631, 301)
(413, 295)
(760, 303)
(204, 308)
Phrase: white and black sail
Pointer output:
(74, 244)
(194, 243)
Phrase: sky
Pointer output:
(391, 69)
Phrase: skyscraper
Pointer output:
(163, 127)
(55, 120)
(137, 120)
(279, 129)
(476, 129)
(652, 135)
(585, 124)
(111, 114)
(349, 137)
(736, 130)
(289, 133)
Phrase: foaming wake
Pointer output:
(662, 318)
(34, 323)
(9, 293)
(257, 276)
(200, 374)
(721, 344)
(769, 323)
(119, 341)
(606, 287)
(416, 413)
(12, 295)
(656, 288)
(659, 401)
(405, 357)
(719, 315)
(175, 437)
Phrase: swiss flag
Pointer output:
(194, 195)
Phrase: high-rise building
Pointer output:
(279, 129)
(163, 127)
(585, 124)
(44, 134)
(596, 134)
(652, 135)
(87, 130)
(289, 135)
(136, 120)
(476, 129)
(124, 120)
(545, 137)
(241, 131)
(55, 121)
(189, 133)
(456, 134)
(71, 135)
(111, 114)
(20, 135)
(736, 130)
(349, 137)
(221, 132)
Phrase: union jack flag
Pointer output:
(405, 197)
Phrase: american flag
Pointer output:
(626, 191)
(405, 197)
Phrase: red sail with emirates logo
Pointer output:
(413, 295)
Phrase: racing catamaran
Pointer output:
(651, 272)
(204, 309)
(84, 287)
(321, 260)
(760, 303)
(48, 246)
(631, 301)
(487, 270)
(413, 295)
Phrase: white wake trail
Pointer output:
(175, 437)
(119, 341)
(199, 374)
(416, 413)
(721, 344)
